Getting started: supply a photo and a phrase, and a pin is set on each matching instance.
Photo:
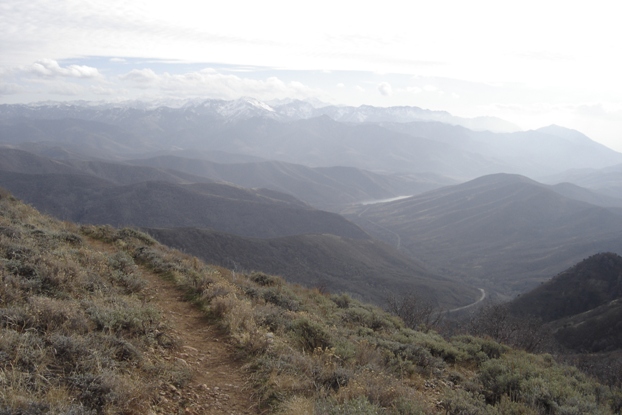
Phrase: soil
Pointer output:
(218, 384)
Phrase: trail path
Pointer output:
(218, 383)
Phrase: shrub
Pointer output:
(123, 316)
(281, 297)
(342, 300)
(357, 406)
(478, 349)
(461, 402)
(265, 280)
(309, 335)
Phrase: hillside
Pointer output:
(606, 180)
(86, 316)
(85, 329)
(20, 161)
(256, 213)
(583, 304)
(328, 188)
(504, 232)
(367, 269)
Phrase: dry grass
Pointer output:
(76, 328)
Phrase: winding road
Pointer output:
(470, 305)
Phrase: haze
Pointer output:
(530, 63)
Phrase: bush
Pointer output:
(357, 406)
(309, 335)
(479, 349)
(265, 280)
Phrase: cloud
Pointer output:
(117, 60)
(100, 90)
(210, 83)
(9, 89)
(359, 88)
(49, 68)
(599, 110)
(66, 89)
(340, 85)
(141, 77)
(414, 89)
(385, 89)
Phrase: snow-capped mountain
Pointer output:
(246, 108)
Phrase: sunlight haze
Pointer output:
(530, 63)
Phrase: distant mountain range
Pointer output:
(504, 232)
(245, 108)
(606, 180)
(393, 140)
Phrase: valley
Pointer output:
(283, 225)
(225, 171)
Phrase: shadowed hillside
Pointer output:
(256, 213)
(322, 187)
(19, 161)
(505, 231)
(368, 269)
(583, 305)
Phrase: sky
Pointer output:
(533, 63)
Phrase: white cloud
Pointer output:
(49, 68)
(430, 88)
(340, 85)
(209, 83)
(66, 88)
(414, 89)
(117, 60)
(385, 89)
(9, 88)
(359, 88)
(143, 77)
(100, 90)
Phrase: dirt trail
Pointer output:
(218, 383)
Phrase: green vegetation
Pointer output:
(78, 336)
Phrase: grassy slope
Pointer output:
(77, 333)
(77, 337)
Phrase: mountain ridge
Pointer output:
(582, 306)
(366, 268)
(504, 230)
